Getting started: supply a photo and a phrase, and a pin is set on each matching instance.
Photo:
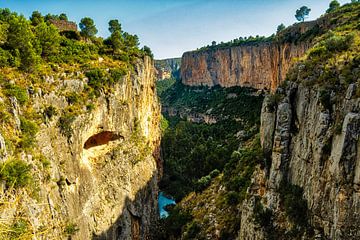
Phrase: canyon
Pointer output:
(101, 182)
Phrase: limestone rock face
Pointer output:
(107, 187)
(261, 66)
(317, 150)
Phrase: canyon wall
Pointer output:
(317, 148)
(261, 66)
(102, 178)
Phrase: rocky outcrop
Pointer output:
(261, 66)
(316, 148)
(166, 68)
(103, 176)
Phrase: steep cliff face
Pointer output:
(261, 66)
(314, 148)
(102, 177)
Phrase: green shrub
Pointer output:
(65, 122)
(192, 230)
(18, 92)
(262, 216)
(176, 221)
(325, 98)
(90, 107)
(214, 173)
(232, 198)
(294, 204)
(28, 127)
(16, 173)
(28, 130)
(117, 74)
(202, 183)
(97, 78)
(49, 112)
(73, 98)
(19, 229)
(71, 229)
(337, 43)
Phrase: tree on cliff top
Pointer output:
(302, 13)
(114, 25)
(88, 28)
(332, 6)
(280, 28)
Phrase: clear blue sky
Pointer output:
(171, 27)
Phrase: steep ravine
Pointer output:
(103, 176)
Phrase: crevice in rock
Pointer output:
(101, 138)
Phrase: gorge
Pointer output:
(251, 139)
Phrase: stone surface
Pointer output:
(308, 152)
(261, 66)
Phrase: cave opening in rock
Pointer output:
(101, 139)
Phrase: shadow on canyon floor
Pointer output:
(138, 216)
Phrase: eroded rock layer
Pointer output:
(261, 66)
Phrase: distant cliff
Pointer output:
(166, 68)
(262, 65)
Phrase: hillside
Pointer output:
(79, 133)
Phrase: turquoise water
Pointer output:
(163, 201)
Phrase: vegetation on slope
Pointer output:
(193, 150)
(37, 58)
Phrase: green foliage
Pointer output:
(97, 78)
(175, 223)
(65, 122)
(63, 17)
(164, 124)
(302, 13)
(22, 39)
(148, 52)
(19, 229)
(280, 28)
(333, 6)
(204, 147)
(114, 26)
(192, 230)
(31, 44)
(232, 198)
(71, 229)
(238, 42)
(202, 183)
(73, 98)
(16, 173)
(238, 171)
(28, 130)
(36, 18)
(164, 85)
(325, 98)
(87, 27)
(50, 111)
(48, 38)
(18, 92)
(337, 43)
(262, 216)
(294, 204)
